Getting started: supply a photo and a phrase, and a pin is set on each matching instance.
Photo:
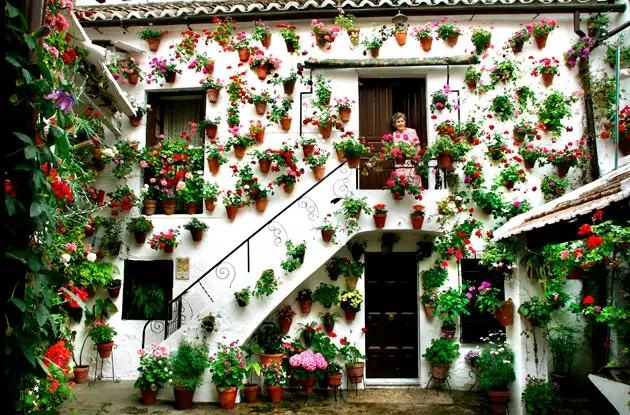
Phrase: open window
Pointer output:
(171, 113)
(147, 289)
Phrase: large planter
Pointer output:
(401, 37)
(350, 315)
(379, 220)
(344, 114)
(541, 41)
(351, 283)
(183, 398)
(210, 204)
(169, 206)
(275, 393)
(416, 221)
(308, 385)
(505, 313)
(154, 44)
(319, 172)
(227, 397)
(243, 54)
(498, 401)
(148, 396)
(326, 131)
(261, 204)
(250, 393)
(274, 359)
(305, 306)
(439, 371)
(211, 130)
(105, 349)
(426, 44)
(81, 373)
(285, 123)
(355, 372)
(213, 95)
(213, 165)
(231, 211)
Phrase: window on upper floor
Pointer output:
(147, 289)
(478, 324)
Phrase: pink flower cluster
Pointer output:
(309, 361)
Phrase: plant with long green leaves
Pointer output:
(188, 364)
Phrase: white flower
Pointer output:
(507, 341)
(91, 257)
(65, 258)
(507, 362)
(108, 152)
(246, 187)
(501, 349)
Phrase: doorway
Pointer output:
(391, 306)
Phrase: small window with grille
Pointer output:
(147, 289)
(478, 324)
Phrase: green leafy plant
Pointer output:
(502, 107)
(553, 110)
(564, 345)
(481, 39)
(496, 364)
(434, 277)
(540, 397)
(378, 38)
(537, 311)
(350, 353)
(269, 338)
(279, 111)
(443, 350)
(93, 274)
(510, 175)
(140, 224)
(290, 37)
(209, 323)
(266, 284)
(553, 187)
(101, 332)
(451, 304)
(195, 225)
(228, 367)
(444, 145)
(188, 364)
(274, 375)
(472, 74)
(148, 300)
(154, 369)
(503, 71)
(447, 28)
(354, 205)
(352, 147)
(322, 89)
(243, 296)
(500, 254)
(326, 294)
(148, 33)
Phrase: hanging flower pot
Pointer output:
(287, 189)
(148, 396)
(149, 206)
(351, 283)
(353, 162)
(398, 196)
(447, 333)
(113, 290)
(340, 156)
(227, 397)
(275, 393)
(260, 136)
(154, 44)
(285, 324)
(231, 211)
(327, 235)
(308, 149)
(428, 310)
(401, 37)
(210, 204)
(285, 123)
(239, 151)
(624, 146)
(416, 221)
(213, 165)
(266, 41)
(290, 47)
(261, 204)
(355, 372)
(169, 249)
(213, 95)
(243, 54)
(211, 130)
(508, 184)
(319, 172)
(288, 86)
(344, 114)
(305, 306)
(170, 77)
(452, 41)
(262, 71)
(264, 165)
(379, 220)
(563, 170)
(547, 78)
(505, 313)
(374, 52)
(105, 349)
(197, 235)
(134, 78)
(325, 131)
(135, 121)
(169, 206)
(541, 41)
(261, 107)
(472, 85)
(329, 327)
(528, 164)
(321, 42)
(426, 43)
(517, 46)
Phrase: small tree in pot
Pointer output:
(442, 352)
(188, 364)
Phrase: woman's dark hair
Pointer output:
(396, 116)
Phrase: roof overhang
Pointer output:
(610, 188)
(190, 12)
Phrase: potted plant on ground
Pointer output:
(285, 318)
(328, 230)
(329, 319)
(275, 379)
(196, 228)
(165, 240)
(352, 356)
(102, 334)
(451, 304)
(188, 364)
(154, 372)
(563, 344)
(227, 367)
(326, 294)
(250, 388)
(496, 371)
(540, 397)
(442, 352)
(269, 337)
(243, 296)
(350, 302)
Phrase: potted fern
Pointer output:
(188, 363)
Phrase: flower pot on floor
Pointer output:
(319, 172)
(308, 385)
(379, 220)
(105, 349)
(426, 44)
(285, 123)
(505, 313)
(498, 401)
(154, 44)
(210, 204)
(183, 398)
(416, 221)
(439, 371)
(275, 393)
(148, 396)
(213, 95)
(169, 206)
(261, 204)
(274, 359)
(355, 372)
(231, 212)
(81, 373)
(250, 392)
(227, 397)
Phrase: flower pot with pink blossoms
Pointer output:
(153, 372)
(166, 240)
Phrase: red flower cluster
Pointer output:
(598, 215)
(79, 292)
(59, 187)
(585, 230)
(59, 355)
(594, 241)
(588, 300)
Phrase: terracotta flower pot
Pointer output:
(243, 54)
(344, 114)
(416, 221)
(447, 333)
(547, 78)
(505, 313)
(149, 206)
(353, 162)
(288, 86)
(239, 151)
(329, 327)
(135, 121)
(211, 130)
(486, 211)
(169, 206)
(250, 393)
(379, 220)
(261, 204)
(183, 398)
(169, 249)
(154, 44)
(319, 172)
(541, 41)
(308, 385)
(285, 123)
(327, 235)
(498, 401)
(472, 85)
(213, 95)
(334, 379)
(213, 165)
(445, 160)
(105, 349)
(321, 42)
(140, 237)
(398, 196)
(290, 47)
(401, 37)
(264, 165)
(210, 204)
(231, 212)
(191, 208)
(285, 324)
(528, 164)
(275, 393)
(508, 184)
(227, 397)
(261, 107)
(624, 146)
(266, 41)
(197, 235)
(340, 156)
(134, 78)
(325, 131)
(305, 306)
(426, 44)
(517, 46)
(439, 371)
(350, 315)
(288, 189)
(260, 136)
(374, 52)
(307, 149)
(274, 359)
(170, 77)
(81, 373)
(428, 310)
(351, 283)
(261, 72)
(355, 372)
(452, 41)
(148, 396)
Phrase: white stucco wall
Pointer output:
(223, 236)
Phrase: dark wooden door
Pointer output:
(379, 99)
(391, 302)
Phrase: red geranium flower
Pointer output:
(588, 300)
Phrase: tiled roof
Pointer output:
(610, 188)
(158, 10)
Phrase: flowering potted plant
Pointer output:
(525, 130)
(185, 49)
(291, 39)
(489, 202)
(165, 240)
(263, 64)
(473, 173)
(328, 230)
(228, 368)
(352, 148)
(417, 217)
(541, 30)
(233, 201)
(530, 155)
(441, 354)
(448, 30)
(439, 99)
(374, 43)
(451, 304)
(102, 334)
(210, 125)
(265, 158)
(481, 39)
(189, 192)
(140, 226)
(122, 198)
(399, 184)
(496, 148)
(308, 367)
(325, 121)
(487, 300)
(125, 157)
(215, 157)
(324, 35)
(540, 396)
(305, 299)
(260, 102)
(241, 44)
(275, 378)
(222, 33)
(262, 32)
(503, 71)
(553, 187)
(288, 179)
(201, 63)
(510, 175)
(285, 317)
(163, 68)
(496, 370)
(569, 156)
(239, 142)
(281, 113)
(447, 151)
(154, 372)
(350, 302)
(317, 162)
(351, 271)
(257, 130)
(259, 194)
(212, 87)
(188, 364)
(288, 82)
(380, 215)
(424, 34)
(471, 77)
(429, 302)
(209, 192)
(518, 39)
(347, 21)
(127, 69)
(352, 356)
(344, 108)
(196, 228)
(152, 37)
(547, 67)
